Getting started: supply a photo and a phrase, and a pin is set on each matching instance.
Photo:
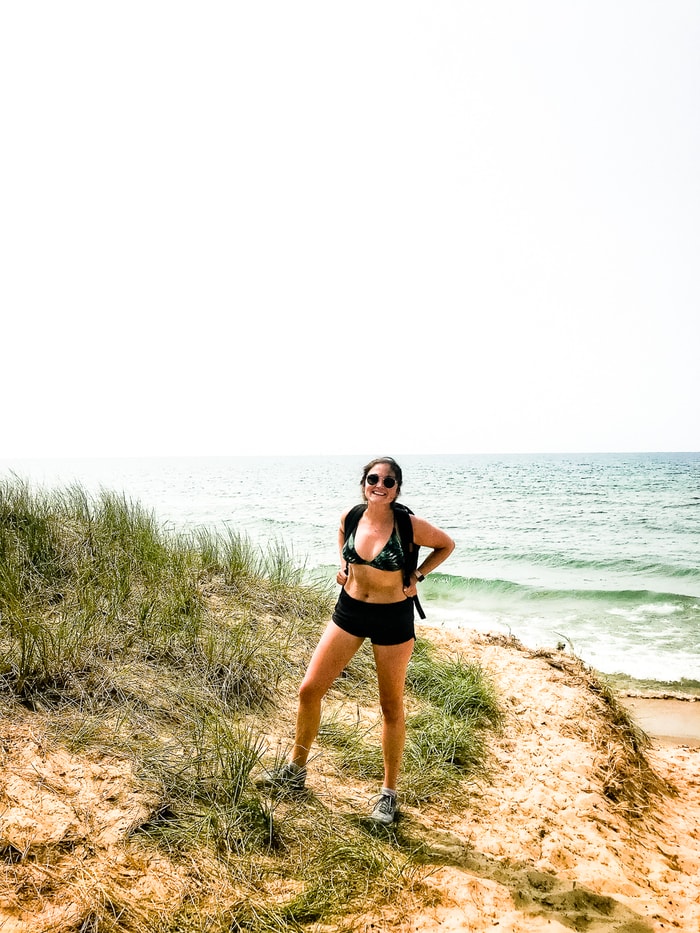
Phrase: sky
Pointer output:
(321, 227)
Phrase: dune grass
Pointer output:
(627, 777)
(180, 656)
(454, 706)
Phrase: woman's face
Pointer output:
(378, 492)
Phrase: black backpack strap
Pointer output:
(421, 611)
(402, 514)
(352, 520)
(410, 549)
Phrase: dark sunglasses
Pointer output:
(373, 479)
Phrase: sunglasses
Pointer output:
(373, 479)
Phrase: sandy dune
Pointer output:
(540, 847)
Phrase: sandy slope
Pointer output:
(539, 848)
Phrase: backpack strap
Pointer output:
(410, 549)
(402, 515)
(352, 520)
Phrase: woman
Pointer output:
(374, 603)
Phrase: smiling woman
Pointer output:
(375, 602)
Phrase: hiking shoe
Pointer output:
(288, 777)
(384, 810)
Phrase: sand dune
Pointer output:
(550, 843)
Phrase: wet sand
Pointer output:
(668, 721)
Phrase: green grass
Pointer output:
(445, 741)
(455, 686)
(181, 655)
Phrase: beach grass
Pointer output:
(178, 657)
(627, 777)
(454, 705)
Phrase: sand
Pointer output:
(668, 720)
(538, 847)
(541, 847)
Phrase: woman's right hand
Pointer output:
(341, 577)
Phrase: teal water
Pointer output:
(599, 551)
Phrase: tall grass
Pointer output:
(457, 687)
(174, 653)
(87, 578)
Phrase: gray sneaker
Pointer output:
(288, 777)
(384, 810)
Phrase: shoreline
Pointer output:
(669, 718)
(685, 688)
(666, 720)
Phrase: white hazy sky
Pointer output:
(329, 227)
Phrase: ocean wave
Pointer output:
(452, 587)
(602, 565)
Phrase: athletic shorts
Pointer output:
(383, 623)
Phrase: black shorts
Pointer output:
(383, 623)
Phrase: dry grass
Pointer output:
(627, 777)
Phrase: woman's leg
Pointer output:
(333, 653)
(392, 661)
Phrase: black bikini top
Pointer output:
(390, 557)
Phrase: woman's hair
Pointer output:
(390, 462)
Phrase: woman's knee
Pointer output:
(310, 691)
(393, 711)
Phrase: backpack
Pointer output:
(402, 515)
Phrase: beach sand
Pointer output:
(548, 843)
(667, 720)
(542, 847)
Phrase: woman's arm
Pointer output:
(439, 542)
(341, 577)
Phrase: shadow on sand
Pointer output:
(535, 893)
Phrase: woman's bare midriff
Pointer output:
(370, 585)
